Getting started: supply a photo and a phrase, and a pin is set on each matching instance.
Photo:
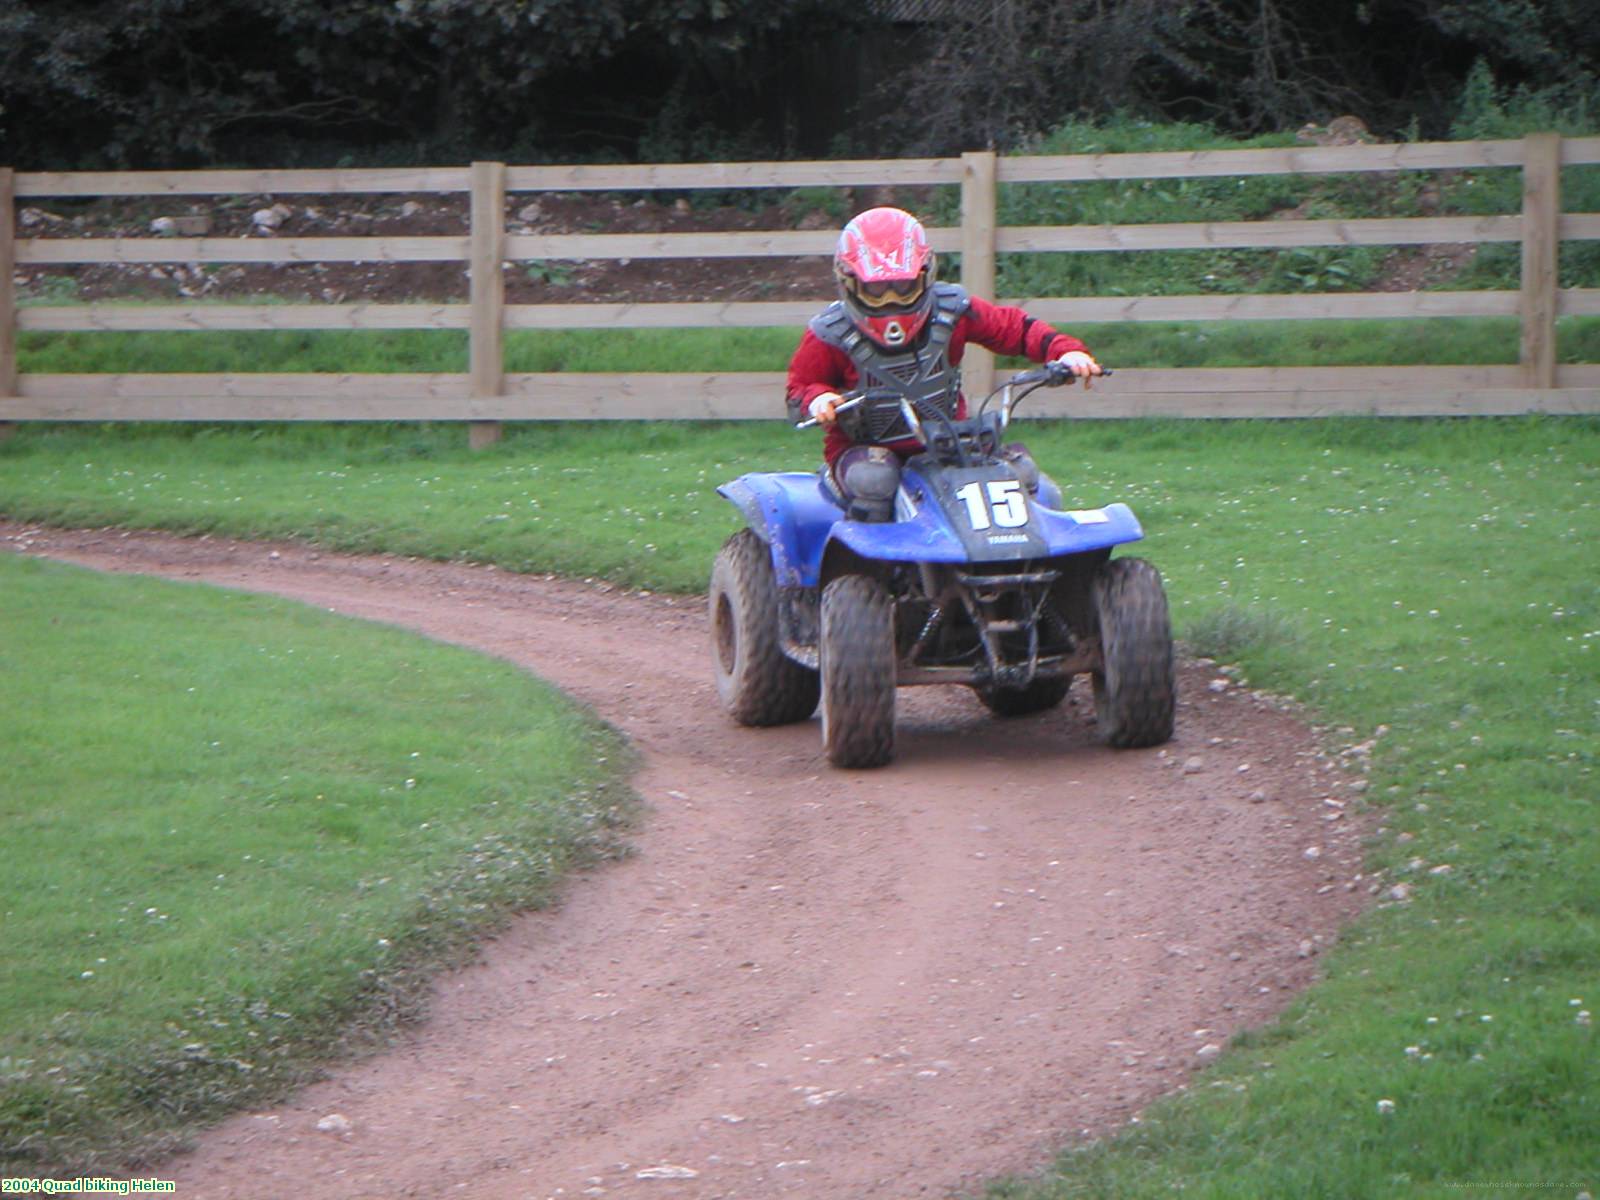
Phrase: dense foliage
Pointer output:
(1247, 65)
(88, 83)
(185, 81)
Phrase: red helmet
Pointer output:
(885, 273)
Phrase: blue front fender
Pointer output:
(922, 532)
(798, 520)
(792, 513)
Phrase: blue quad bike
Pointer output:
(980, 578)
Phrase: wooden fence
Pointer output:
(487, 394)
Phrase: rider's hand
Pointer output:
(1082, 365)
(822, 407)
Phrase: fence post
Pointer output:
(487, 351)
(1541, 241)
(977, 258)
(8, 296)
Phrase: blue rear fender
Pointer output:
(793, 514)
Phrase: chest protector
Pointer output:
(921, 373)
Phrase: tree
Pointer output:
(174, 82)
(155, 83)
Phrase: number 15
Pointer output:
(1005, 496)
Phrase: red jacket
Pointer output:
(818, 367)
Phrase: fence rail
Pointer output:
(486, 394)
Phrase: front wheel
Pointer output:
(1135, 690)
(758, 683)
(858, 672)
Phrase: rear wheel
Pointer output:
(858, 672)
(758, 683)
(1135, 691)
(1037, 696)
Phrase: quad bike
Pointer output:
(980, 578)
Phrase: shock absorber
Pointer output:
(929, 628)
(1056, 627)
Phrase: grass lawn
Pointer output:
(238, 834)
(1435, 584)
(1467, 341)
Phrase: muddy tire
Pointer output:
(858, 672)
(1038, 696)
(1135, 691)
(758, 683)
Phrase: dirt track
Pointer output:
(807, 982)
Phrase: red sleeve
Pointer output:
(1006, 329)
(817, 367)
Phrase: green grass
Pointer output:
(632, 503)
(1439, 578)
(402, 351)
(1435, 341)
(239, 834)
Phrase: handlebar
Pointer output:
(853, 401)
(1050, 374)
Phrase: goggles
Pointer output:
(882, 293)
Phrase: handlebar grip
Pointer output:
(1055, 374)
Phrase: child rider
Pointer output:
(895, 328)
